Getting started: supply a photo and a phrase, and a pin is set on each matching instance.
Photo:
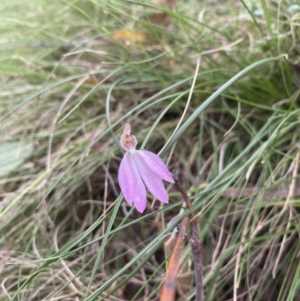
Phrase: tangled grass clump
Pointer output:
(73, 72)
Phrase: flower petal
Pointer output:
(156, 164)
(131, 184)
(152, 181)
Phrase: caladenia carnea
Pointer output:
(140, 169)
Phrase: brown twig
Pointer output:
(195, 242)
(169, 287)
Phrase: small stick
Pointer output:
(169, 287)
(195, 242)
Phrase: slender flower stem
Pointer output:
(195, 242)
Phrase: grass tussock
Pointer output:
(73, 72)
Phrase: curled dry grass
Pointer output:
(74, 72)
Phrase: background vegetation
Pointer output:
(74, 71)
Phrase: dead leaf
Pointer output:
(130, 36)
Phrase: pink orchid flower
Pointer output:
(140, 168)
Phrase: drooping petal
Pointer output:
(152, 181)
(131, 183)
(156, 164)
